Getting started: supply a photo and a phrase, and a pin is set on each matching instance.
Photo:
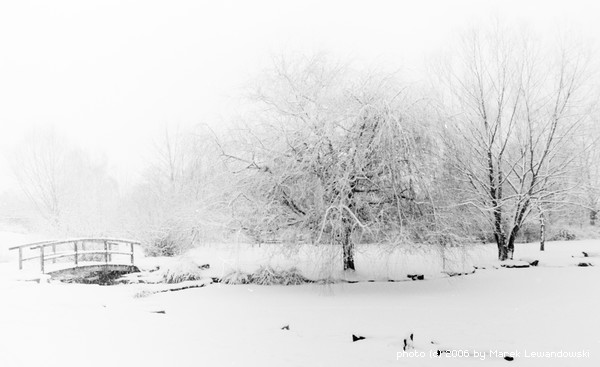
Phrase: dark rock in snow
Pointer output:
(512, 264)
(457, 274)
(409, 343)
(534, 263)
(586, 254)
(416, 276)
(509, 358)
(286, 327)
(584, 264)
(161, 312)
(357, 338)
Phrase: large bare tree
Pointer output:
(516, 106)
(331, 155)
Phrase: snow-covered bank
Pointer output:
(382, 263)
(550, 308)
(504, 310)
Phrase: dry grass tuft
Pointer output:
(293, 277)
(236, 277)
(179, 270)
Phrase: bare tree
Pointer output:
(39, 165)
(330, 155)
(69, 189)
(180, 200)
(590, 169)
(515, 109)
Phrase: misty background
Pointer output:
(110, 75)
(116, 89)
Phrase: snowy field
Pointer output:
(478, 318)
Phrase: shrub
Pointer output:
(293, 277)
(179, 270)
(236, 277)
(266, 275)
(564, 235)
(163, 246)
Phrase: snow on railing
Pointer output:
(79, 250)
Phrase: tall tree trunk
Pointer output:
(593, 217)
(518, 222)
(542, 232)
(347, 245)
(502, 252)
(502, 248)
(499, 234)
(510, 247)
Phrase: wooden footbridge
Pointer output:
(79, 255)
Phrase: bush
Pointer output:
(180, 270)
(564, 235)
(293, 277)
(266, 275)
(236, 277)
(165, 245)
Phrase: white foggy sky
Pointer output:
(110, 73)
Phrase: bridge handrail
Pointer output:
(58, 242)
(107, 252)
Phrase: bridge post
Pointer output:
(76, 253)
(131, 247)
(42, 258)
(106, 252)
(54, 253)
(20, 258)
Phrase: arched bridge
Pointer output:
(64, 257)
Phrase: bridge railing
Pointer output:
(79, 250)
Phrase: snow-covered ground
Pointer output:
(551, 308)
